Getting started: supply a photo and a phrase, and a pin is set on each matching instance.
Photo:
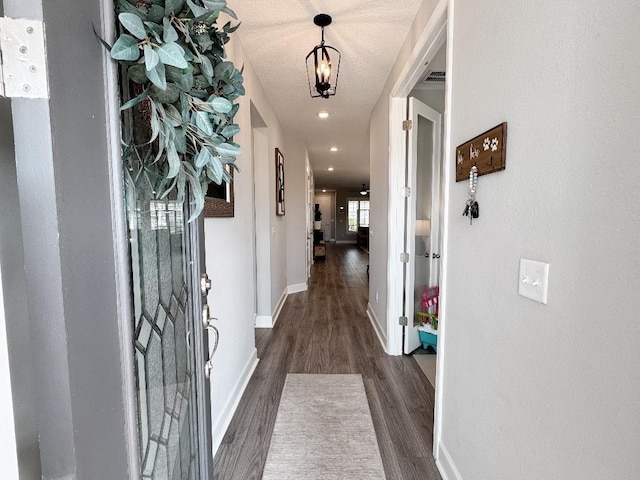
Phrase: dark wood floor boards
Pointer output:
(326, 330)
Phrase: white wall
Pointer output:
(230, 255)
(551, 391)
(430, 96)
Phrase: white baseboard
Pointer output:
(376, 327)
(269, 321)
(298, 287)
(264, 321)
(445, 464)
(278, 309)
(226, 414)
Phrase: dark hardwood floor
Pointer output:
(326, 330)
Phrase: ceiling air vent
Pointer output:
(435, 77)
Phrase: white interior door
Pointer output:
(422, 212)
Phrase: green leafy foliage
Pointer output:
(173, 53)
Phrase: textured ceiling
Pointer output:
(277, 35)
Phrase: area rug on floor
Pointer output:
(323, 431)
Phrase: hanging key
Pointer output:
(475, 209)
(466, 210)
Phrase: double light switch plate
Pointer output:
(533, 280)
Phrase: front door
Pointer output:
(422, 213)
(169, 337)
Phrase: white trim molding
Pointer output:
(446, 466)
(278, 309)
(376, 327)
(226, 414)
(298, 287)
(264, 321)
(269, 321)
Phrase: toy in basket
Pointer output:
(428, 329)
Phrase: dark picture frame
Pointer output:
(219, 199)
(279, 183)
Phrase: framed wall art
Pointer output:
(279, 183)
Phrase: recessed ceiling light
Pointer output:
(334, 149)
(324, 191)
(323, 114)
(330, 169)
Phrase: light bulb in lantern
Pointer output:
(324, 71)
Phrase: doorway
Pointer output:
(434, 39)
(327, 202)
(423, 236)
(261, 216)
(423, 225)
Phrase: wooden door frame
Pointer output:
(439, 29)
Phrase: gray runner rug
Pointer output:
(323, 431)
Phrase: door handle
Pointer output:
(435, 255)
(206, 316)
(208, 366)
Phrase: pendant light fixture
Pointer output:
(364, 191)
(322, 70)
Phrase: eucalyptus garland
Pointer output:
(173, 51)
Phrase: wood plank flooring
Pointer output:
(326, 330)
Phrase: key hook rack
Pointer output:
(487, 152)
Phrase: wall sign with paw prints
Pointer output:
(488, 152)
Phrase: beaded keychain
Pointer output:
(472, 210)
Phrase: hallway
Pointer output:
(325, 330)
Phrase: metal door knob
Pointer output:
(205, 284)
(435, 255)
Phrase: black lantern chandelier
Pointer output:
(321, 69)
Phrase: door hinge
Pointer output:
(407, 125)
(23, 66)
(404, 321)
(404, 257)
(406, 192)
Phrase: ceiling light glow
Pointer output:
(330, 169)
(334, 149)
(323, 114)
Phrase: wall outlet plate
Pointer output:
(533, 280)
